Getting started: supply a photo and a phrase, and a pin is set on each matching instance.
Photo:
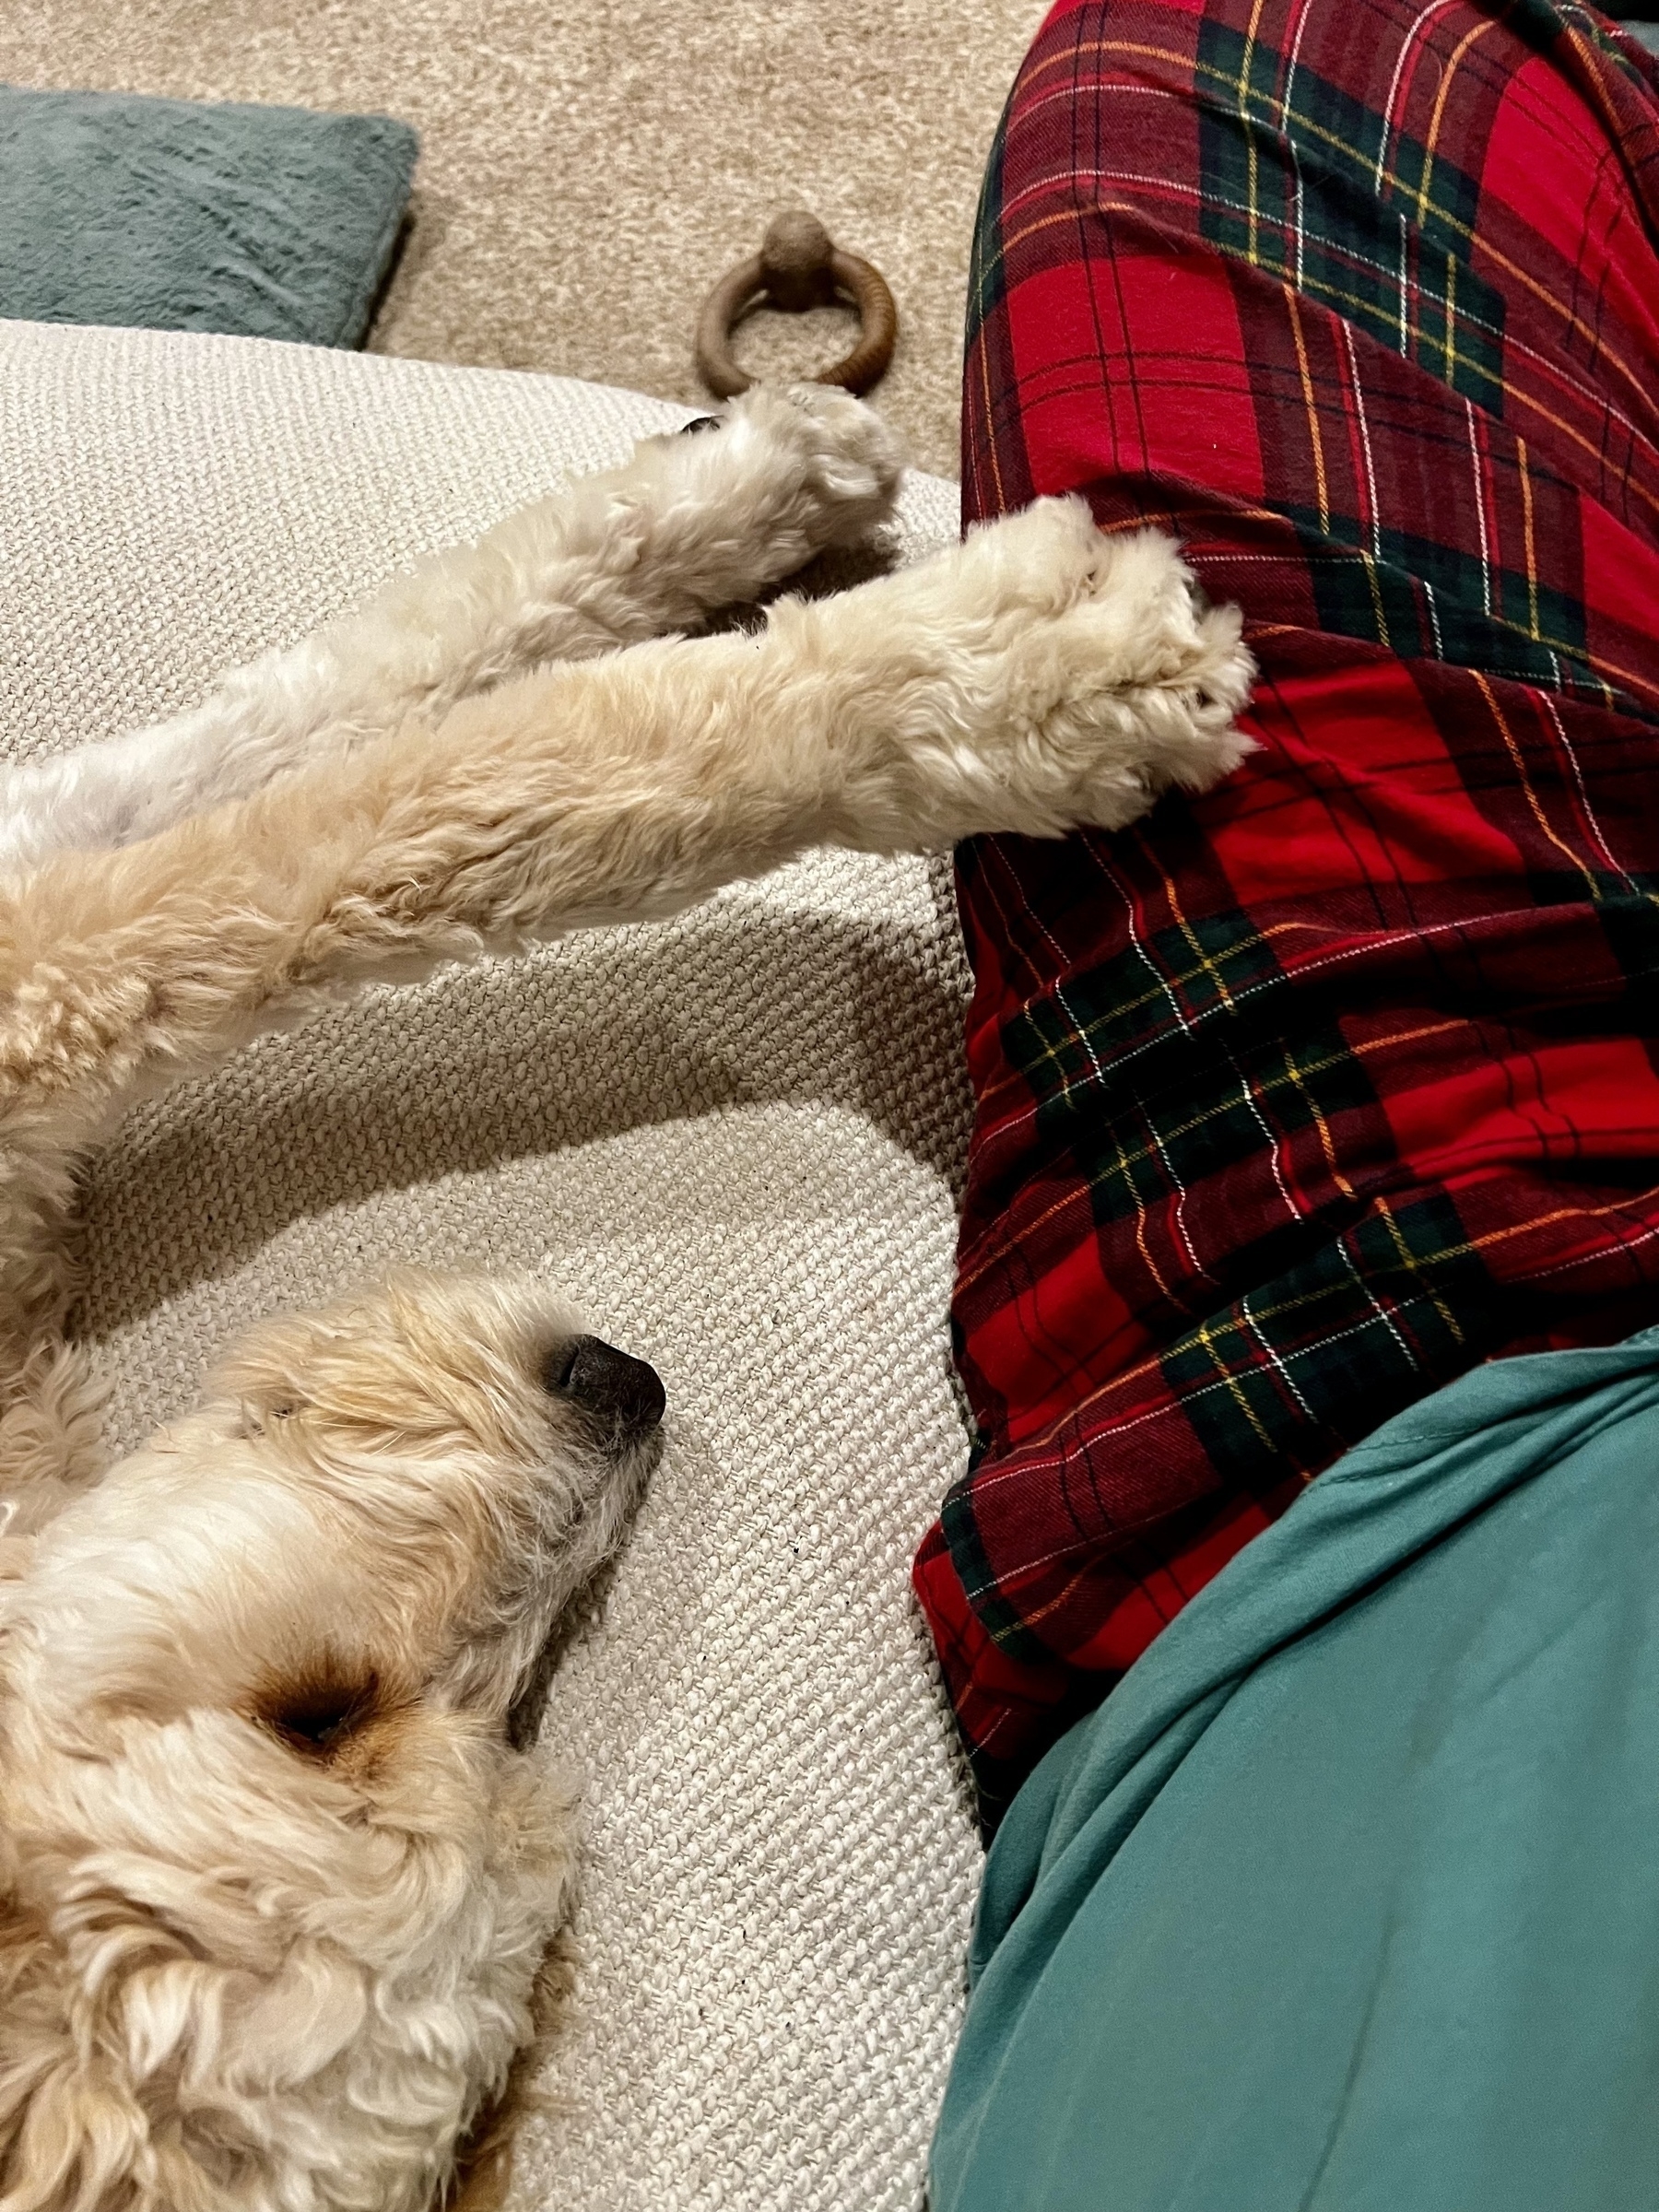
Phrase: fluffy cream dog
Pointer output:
(276, 1878)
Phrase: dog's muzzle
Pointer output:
(615, 1389)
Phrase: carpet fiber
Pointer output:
(588, 169)
(168, 215)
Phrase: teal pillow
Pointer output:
(167, 215)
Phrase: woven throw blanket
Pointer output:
(1298, 1102)
(735, 1136)
(168, 214)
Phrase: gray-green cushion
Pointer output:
(166, 215)
(1347, 1901)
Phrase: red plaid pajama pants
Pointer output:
(1297, 1101)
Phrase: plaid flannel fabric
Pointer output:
(1295, 1101)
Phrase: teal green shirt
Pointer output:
(1348, 1900)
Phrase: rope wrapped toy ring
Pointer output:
(798, 266)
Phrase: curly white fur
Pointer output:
(273, 1884)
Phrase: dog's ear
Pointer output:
(109, 2018)
(153, 1983)
(85, 2048)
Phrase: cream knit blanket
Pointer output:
(736, 1137)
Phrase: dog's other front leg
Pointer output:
(689, 525)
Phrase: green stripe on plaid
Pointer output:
(1373, 270)
(1294, 1373)
(1146, 1148)
(1382, 240)
(1001, 1615)
(1135, 1024)
(1163, 985)
(986, 271)
(1427, 601)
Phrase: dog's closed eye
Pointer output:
(317, 1713)
(254, 1423)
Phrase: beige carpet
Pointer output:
(590, 168)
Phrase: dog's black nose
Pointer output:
(607, 1382)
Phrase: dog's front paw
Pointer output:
(1092, 676)
(852, 462)
(800, 469)
(1136, 684)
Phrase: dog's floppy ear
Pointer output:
(166, 2038)
(321, 1708)
(74, 2128)
(107, 2014)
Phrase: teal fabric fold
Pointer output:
(1348, 1900)
(166, 215)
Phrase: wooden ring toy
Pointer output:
(798, 266)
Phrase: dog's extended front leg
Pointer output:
(688, 526)
(1039, 677)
